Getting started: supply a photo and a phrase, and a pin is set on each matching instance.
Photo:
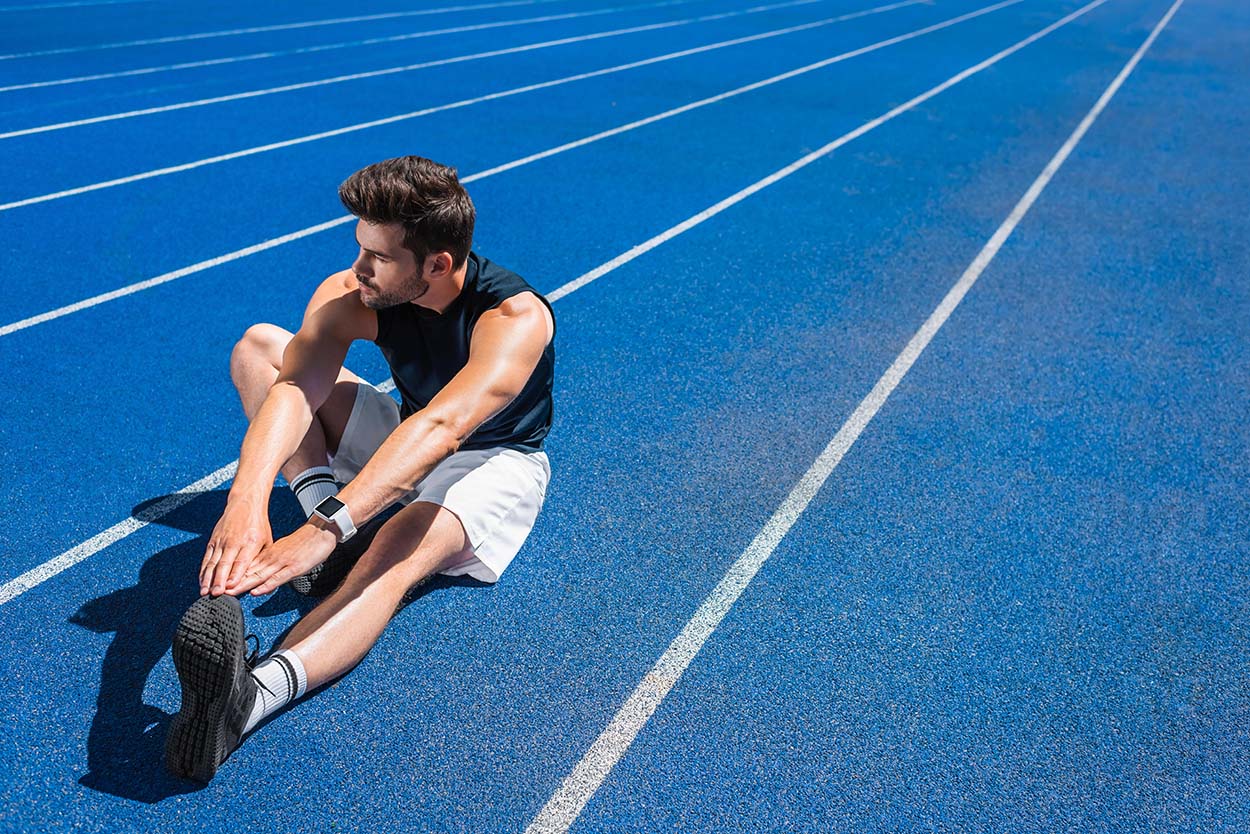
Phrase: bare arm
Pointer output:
(506, 346)
(333, 319)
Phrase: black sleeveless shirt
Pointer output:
(426, 349)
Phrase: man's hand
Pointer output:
(298, 553)
(239, 535)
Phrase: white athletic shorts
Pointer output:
(496, 493)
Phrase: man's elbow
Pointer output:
(443, 433)
(451, 426)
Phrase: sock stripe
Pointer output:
(303, 483)
(292, 679)
(281, 667)
(312, 486)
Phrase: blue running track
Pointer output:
(1021, 600)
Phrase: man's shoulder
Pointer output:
(490, 272)
(495, 284)
(341, 283)
(505, 294)
(336, 307)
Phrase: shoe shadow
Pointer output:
(126, 742)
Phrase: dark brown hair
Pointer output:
(427, 198)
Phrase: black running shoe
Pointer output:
(218, 690)
(323, 579)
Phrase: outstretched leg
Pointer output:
(419, 540)
(224, 698)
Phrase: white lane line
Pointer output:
(803, 162)
(314, 137)
(489, 172)
(746, 88)
(427, 33)
(357, 76)
(37, 7)
(65, 560)
(170, 276)
(41, 573)
(121, 530)
(334, 21)
(567, 803)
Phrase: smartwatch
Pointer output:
(335, 511)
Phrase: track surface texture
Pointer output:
(791, 574)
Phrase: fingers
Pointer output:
(234, 563)
(222, 570)
(236, 540)
(263, 568)
(211, 555)
(213, 560)
(273, 581)
(244, 583)
(222, 565)
(258, 574)
(253, 571)
(238, 571)
(269, 571)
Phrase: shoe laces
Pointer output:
(250, 660)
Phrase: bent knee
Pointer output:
(260, 343)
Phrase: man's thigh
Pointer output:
(417, 541)
(497, 494)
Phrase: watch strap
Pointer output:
(335, 511)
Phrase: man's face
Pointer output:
(388, 273)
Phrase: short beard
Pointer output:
(410, 291)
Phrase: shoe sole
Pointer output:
(208, 654)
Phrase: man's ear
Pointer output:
(438, 265)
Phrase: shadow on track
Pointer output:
(126, 742)
(125, 746)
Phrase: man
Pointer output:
(469, 345)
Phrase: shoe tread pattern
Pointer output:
(218, 691)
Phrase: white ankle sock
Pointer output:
(281, 679)
(312, 486)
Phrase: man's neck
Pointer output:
(439, 298)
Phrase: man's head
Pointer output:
(415, 229)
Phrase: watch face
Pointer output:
(330, 506)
